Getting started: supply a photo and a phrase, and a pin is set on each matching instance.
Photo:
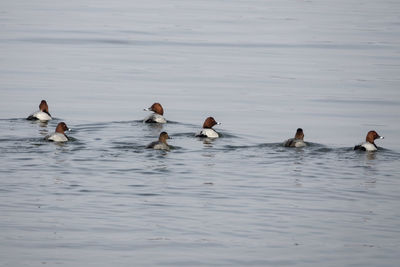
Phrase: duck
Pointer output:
(369, 145)
(59, 135)
(42, 114)
(297, 141)
(157, 115)
(207, 130)
(161, 144)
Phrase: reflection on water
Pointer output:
(155, 128)
(371, 155)
(208, 142)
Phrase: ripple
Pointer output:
(171, 43)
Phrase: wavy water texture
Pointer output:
(105, 191)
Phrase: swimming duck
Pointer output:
(42, 114)
(207, 130)
(59, 135)
(297, 141)
(369, 145)
(161, 144)
(157, 116)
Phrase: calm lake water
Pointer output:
(263, 69)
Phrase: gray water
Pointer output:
(263, 69)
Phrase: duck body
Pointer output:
(208, 132)
(40, 115)
(366, 147)
(293, 142)
(57, 137)
(158, 146)
(155, 118)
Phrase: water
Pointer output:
(263, 69)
